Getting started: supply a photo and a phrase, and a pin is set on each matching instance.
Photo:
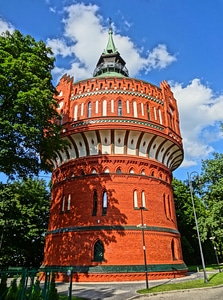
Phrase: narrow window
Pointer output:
(148, 112)
(155, 116)
(173, 250)
(131, 171)
(104, 108)
(95, 203)
(96, 107)
(104, 203)
(112, 106)
(63, 204)
(98, 251)
(89, 110)
(142, 108)
(127, 106)
(135, 199)
(135, 113)
(160, 116)
(164, 204)
(68, 202)
(75, 112)
(119, 171)
(143, 199)
(119, 108)
(82, 109)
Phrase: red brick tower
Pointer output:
(124, 144)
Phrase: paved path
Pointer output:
(127, 290)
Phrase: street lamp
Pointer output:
(143, 226)
(212, 238)
(195, 217)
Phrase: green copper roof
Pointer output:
(111, 45)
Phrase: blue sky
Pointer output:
(177, 41)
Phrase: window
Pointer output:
(68, 202)
(95, 203)
(131, 171)
(148, 112)
(63, 204)
(112, 106)
(82, 109)
(142, 108)
(160, 116)
(98, 251)
(104, 203)
(96, 107)
(104, 108)
(173, 250)
(75, 112)
(89, 109)
(127, 106)
(143, 199)
(119, 108)
(135, 113)
(119, 171)
(135, 199)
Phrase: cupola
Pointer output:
(110, 62)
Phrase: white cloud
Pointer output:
(85, 38)
(4, 26)
(200, 115)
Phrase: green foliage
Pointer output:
(12, 293)
(214, 280)
(212, 179)
(53, 295)
(3, 286)
(36, 293)
(27, 107)
(24, 213)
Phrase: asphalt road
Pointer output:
(126, 291)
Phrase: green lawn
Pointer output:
(213, 280)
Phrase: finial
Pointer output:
(110, 25)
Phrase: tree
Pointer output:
(212, 179)
(186, 221)
(28, 127)
(24, 212)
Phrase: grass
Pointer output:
(213, 280)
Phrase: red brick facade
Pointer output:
(124, 144)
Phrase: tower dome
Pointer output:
(112, 186)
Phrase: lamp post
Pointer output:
(142, 226)
(197, 228)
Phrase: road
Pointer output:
(127, 290)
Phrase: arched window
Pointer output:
(82, 109)
(104, 108)
(89, 109)
(135, 199)
(104, 203)
(135, 113)
(93, 171)
(112, 105)
(95, 203)
(119, 108)
(98, 251)
(106, 170)
(173, 250)
(68, 202)
(127, 106)
(63, 204)
(119, 171)
(131, 171)
(75, 112)
(143, 199)
(148, 112)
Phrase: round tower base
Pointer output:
(64, 275)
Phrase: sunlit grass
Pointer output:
(213, 280)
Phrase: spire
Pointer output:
(111, 45)
(110, 62)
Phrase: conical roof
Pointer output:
(110, 62)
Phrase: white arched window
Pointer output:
(104, 108)
(160, 116)
(112, 106)
(75, 112)
(68, 202)
(127, 106)
(135, 113)
(143, 199)
(135, 199)
(96, 107)
(82, 109)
